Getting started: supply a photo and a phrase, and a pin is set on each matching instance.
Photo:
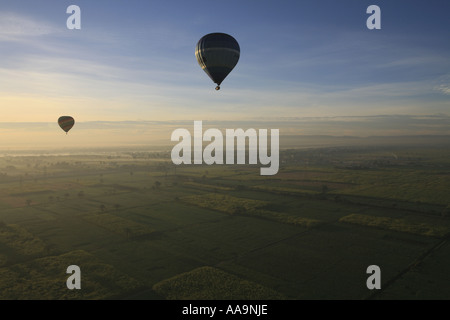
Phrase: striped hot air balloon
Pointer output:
(66, 123)
(217, 54)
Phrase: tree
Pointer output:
(128, 233)
(157, 184)
(238, 209)
(28, 202)
(102, 207)
(324, 192)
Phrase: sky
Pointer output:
(134, 61)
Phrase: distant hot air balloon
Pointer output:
(66, 123)
(217, 54)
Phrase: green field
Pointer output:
(140, 227)
(208, 283)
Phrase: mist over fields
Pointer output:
(294, 132)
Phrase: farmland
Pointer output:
(140, 227)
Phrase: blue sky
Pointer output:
(134, 60)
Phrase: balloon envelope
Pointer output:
(66, 123)
(217, 54)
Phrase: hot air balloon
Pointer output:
(66, 123)
(217, 54)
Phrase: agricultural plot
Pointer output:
(243, 206)
(223, 238)
(404, 185)
(425, 280)
(118, 225)
(45, 279)
(20, 240)
(328, 263)
(207, 187)
(208, 283)
(402, 225)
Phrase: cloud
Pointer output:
(445, 89)
(443, 84)
(16, 27)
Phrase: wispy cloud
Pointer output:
(14, 27)
(445, 89)
(443, 84)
